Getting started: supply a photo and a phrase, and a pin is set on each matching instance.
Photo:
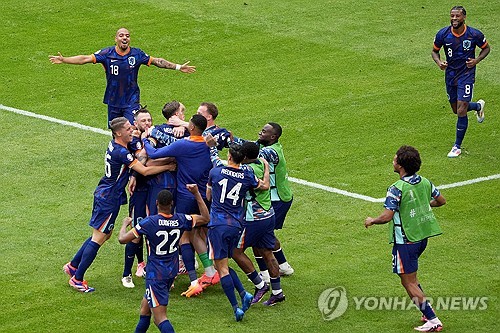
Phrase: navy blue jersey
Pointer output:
(121, 75)
(164, 135)
(141, 181)
(229, 186)
(117, 162)
(459, 48)
(193, 162)
(163, 233)
(222, 136)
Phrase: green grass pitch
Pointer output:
(349, 82)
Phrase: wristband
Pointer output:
(177, 67)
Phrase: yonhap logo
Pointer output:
(332, 303)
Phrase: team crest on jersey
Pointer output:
(466, 44)
(131, 61)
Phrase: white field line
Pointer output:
(292, 179)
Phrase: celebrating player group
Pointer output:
(185, 200)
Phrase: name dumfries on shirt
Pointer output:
(234, 174)
(169, 223)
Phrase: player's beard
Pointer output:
(262, 142)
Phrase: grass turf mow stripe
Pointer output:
(292, 179)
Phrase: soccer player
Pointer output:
(281, 193)
(460, 42)
(227, 186)
(122, 64)
(107, 200)
(193, 160)
(161, 136)
(163, 232)
(408, 208)
(138, 189)
(222, 136)
(258, 231)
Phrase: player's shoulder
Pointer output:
(444, 31)
(105, 51)
(473, 31)
(136, 50)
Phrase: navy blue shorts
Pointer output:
(405, 257)
(222, 240)
(158, 292)
(137, 206)
(128, 112)
(186, 205)
(259, 234)
(462, 90)
(280, 210)
(104, 215)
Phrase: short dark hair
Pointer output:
(277, 129)
(409, 158)
(142, 109)
(170, 109)
(199, 122)
(117, 124)
(251, 150)
(211, 109)
(461, 8)
(164, 198)
(237, 153)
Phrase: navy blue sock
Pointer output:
(130, 250)
(166, 327)
(75, 262)
(462, 124)
(276, 285)
(474, 106)
(427, 310)
(261, 263)
(236, 282)
(228, 287)
(188, 258)
(280, 256)
(140, 251)
(255, 277)
(88, 257)
(143, 324)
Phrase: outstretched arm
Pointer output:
(162, 63)
(75, 60)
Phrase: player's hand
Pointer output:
(179, 131)
(369, 221)
(443, 65)
(127, 221)
(187, 69)
(266, 163)
(471, 62)
(193, 188)
(210, 140)
(58, 59)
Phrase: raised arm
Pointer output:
(264, 183)
(204, 216)
(126, 236)
(74, 60)
(162, 63)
